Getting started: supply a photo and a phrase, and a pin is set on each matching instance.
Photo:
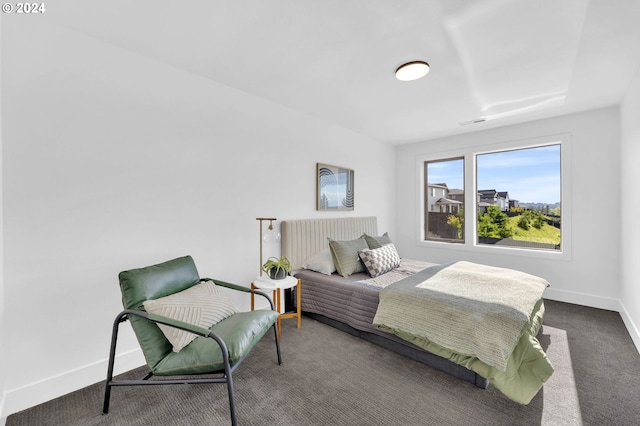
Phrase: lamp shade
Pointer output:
(271, 236)
(268, 237)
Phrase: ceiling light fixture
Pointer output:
(412, 71)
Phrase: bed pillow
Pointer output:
(377, 242)
(381, 260)
(203, 305)
(345, 255)
(321, 262)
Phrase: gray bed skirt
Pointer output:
(408, 350)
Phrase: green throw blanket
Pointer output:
(479, 316)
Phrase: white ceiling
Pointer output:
(508, 61)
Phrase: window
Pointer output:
(519, 198)
(444, 203)
(515, 193)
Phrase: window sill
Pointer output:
(468, 247)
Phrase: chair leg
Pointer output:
(232, 404)
(107, 397)
(275, 329)
(112, 355)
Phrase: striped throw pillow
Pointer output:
(203, 305)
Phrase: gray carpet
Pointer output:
(331, 378)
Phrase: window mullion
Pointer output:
(470, 202)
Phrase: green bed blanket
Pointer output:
(480, 317)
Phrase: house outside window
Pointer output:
(444, 205)
(514, 193)
(534, 175)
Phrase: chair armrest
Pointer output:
(159, 319)
(228, 285)
(239, 288)
(192, 328)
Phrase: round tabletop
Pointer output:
(267, 283)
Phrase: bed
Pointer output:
(363, 305)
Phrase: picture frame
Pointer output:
(335, 188)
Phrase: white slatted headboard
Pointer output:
(305, 237)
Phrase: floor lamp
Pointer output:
(269, 236)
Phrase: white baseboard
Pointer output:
(599, 302)
(631, 326)
(583, 299)
(30, 395)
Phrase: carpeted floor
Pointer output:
(331, 378)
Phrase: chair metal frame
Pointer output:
(227, 372)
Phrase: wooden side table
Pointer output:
(266, 283)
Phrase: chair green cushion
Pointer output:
(153, 282)
(240, 332)
(157, 281)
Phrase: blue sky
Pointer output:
(528, 175)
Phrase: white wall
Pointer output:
(112, 161)
(592, 275)
(630, 208)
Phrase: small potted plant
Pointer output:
(277, 268)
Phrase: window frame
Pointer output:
(469, 154)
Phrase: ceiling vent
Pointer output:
(476, 121)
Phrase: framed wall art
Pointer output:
(334, 188)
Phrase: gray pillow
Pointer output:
(345, 255)
(321, 262)
(381, 260)
(377, 242)
(203, 305)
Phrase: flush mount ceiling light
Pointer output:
(412, 71)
